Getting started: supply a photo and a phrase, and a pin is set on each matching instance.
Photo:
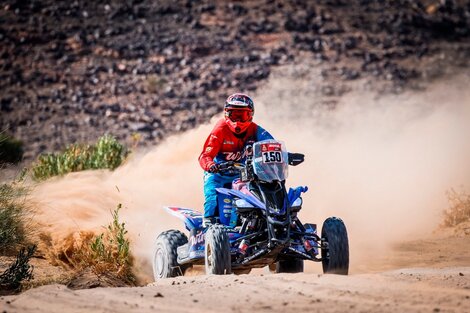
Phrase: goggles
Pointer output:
(239, 115)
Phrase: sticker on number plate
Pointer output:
(272, 153)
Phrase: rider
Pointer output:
(227, 142)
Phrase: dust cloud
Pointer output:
(382, 164)
(166, 175)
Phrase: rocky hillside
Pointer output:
(73, 70)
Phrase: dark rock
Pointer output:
(237, 9)
(170, 93)
(5, 105)
(349, 74)
(330, 29)
(370, 57)
(114, 107)
(207, 8)
(297, 22)
(349, 42)
(196, 25)
(144, 128)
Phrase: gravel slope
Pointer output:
(72, 71)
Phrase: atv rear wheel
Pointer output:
(335, 247)
(217, 251)
(165, 264)
(290, 266)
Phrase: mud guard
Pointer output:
(294, 194)
(192, 219)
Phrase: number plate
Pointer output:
(272, 153)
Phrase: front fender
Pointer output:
(294, 194)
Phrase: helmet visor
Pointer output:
(239, 115)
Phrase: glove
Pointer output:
(214, 168)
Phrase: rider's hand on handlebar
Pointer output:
(214, 168)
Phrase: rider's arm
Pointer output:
(262, 134)
(211, 148)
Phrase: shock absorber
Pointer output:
(244, 225)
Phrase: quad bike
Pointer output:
(257, 225)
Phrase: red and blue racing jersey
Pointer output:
(223, 145)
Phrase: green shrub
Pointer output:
(11, 150)
(459, 210)
(107, 153)
(14, 216)
(20, 270)
(109, 252)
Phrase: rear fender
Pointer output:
(192, 219)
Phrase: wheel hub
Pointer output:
(160, 262)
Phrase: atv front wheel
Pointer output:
(290, 266)
(217, 251)
(165, 264)
(334, 247)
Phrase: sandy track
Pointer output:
(427, 275)
(405, 290)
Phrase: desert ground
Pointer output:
(427, 275)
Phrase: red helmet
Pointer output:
(239, 110)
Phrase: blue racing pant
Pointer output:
(212, 181)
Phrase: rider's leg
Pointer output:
(211, 182)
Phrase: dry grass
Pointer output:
(107, 253)
(459, 208)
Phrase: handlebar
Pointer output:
(230, 167)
